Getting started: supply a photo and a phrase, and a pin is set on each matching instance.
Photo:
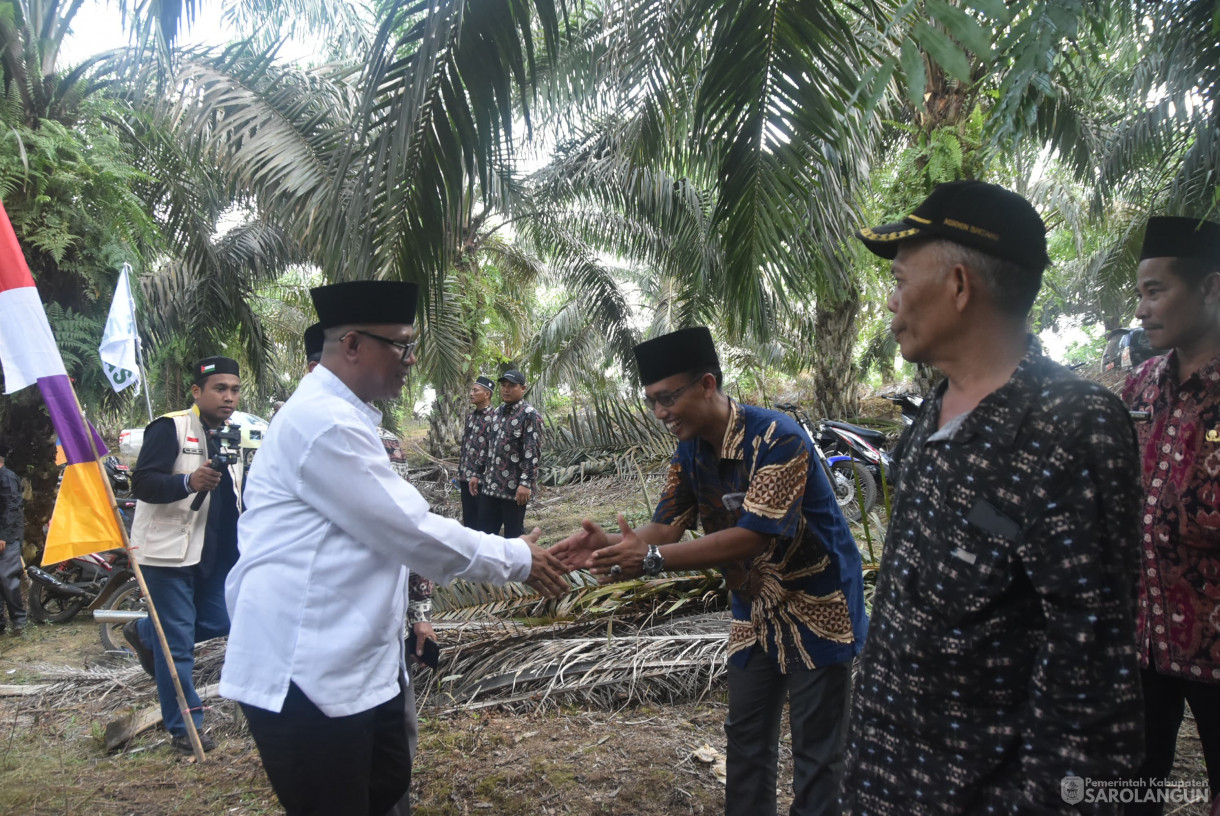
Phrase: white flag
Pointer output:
(118, 348)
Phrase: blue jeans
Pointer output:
(192, 609)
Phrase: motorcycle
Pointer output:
(863, 445)
(59, 591)
(842, 473)
(909, 405)
(120, 477)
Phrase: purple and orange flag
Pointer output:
(83, 521)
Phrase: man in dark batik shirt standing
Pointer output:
(475, 440)
(772, 525)
(1001, 654)
(507, 470)
(1178, 628)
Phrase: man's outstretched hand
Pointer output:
(576, 551)
(547, 571)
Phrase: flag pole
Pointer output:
(139, 344)
(183, 706)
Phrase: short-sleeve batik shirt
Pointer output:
(475, 439)
(1179, 604)
(515, 453)
(1001, 656)
(802, 600)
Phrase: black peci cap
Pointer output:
(214, 365)
(983, 216)
(1171, 236)
(676, 353)
(314, 340)
(485, 382)
(365, 302)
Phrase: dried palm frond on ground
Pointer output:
(605, 663)
(681, 593)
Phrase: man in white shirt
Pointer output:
(318, 595)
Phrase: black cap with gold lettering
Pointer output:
(984, 216)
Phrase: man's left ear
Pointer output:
(1211, 288)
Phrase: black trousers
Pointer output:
(470, 507)
(333, 766)
(10, 585)
(495, 513)
(1165, 700)
(818, 705)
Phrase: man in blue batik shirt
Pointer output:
(772, 525)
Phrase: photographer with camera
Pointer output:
(187, 485)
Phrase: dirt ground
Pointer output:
(642, 760)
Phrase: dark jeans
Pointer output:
(818, 703)
(191, 607)
(495, 513)
(1165, 701)
(333, 766)
(10, 585)
(470, 507)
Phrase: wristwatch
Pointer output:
(654, 562)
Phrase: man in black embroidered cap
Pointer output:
(507, 469)
(318, 597)
(773, 527)
(476, 439)
(1000, 658)
(186, 554)
(1177, 633)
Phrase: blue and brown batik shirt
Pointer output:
(802, 600)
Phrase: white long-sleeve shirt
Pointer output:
(318, 594)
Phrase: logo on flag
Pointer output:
(118, 348)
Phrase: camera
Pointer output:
(228, 442)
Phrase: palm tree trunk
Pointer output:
(27, 428)
(834, 376)
(445, 424)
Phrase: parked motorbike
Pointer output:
(909, 405)
(59, 591)
(120, 477)
(842, 473)
(863, 445)
(126, 603)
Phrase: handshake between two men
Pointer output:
(610, 557)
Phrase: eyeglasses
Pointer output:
(668, 399)
(407, 349)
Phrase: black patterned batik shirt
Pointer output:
(475, 439)
(515, 452)
(802, 599)
(1001, 656)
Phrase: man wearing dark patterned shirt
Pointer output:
(1000, 658)
(507, 469)
(475, 439)
(772, 525)
(1178, 626)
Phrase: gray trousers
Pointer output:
(10, 585)
(819, 703)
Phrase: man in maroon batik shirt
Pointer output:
(1178, 627)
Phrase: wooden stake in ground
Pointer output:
(191, 731)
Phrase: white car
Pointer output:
(252, 429)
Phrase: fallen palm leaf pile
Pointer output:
(599, 662)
